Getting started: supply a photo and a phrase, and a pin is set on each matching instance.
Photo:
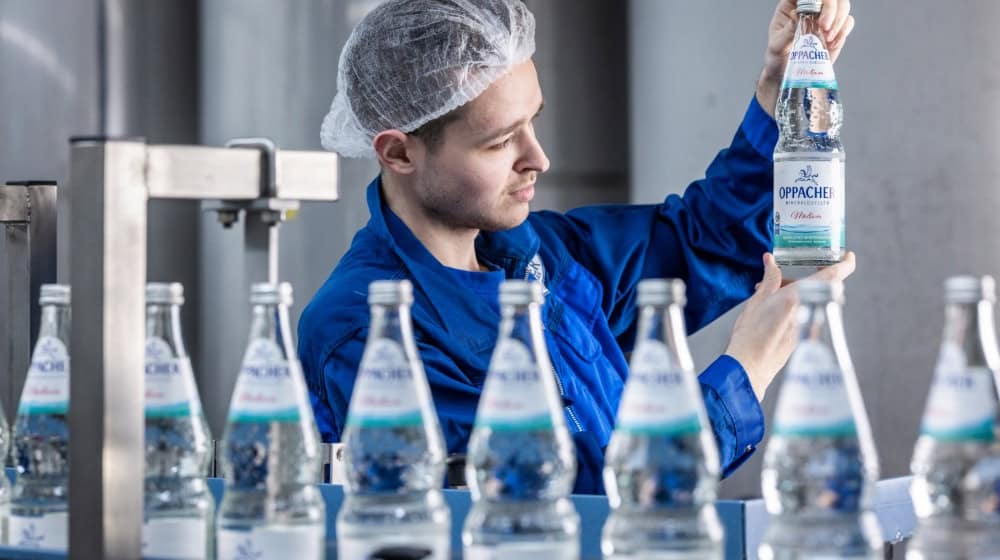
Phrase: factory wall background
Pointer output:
(639, 97)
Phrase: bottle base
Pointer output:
(812, 257)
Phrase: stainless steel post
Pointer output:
(108, 275)
(27, 260)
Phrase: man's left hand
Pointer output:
(836, 22)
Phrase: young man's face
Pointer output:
(482, 174)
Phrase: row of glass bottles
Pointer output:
(271, 506)
(662, 464)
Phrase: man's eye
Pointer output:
(501, 145)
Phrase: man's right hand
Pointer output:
(766, 332)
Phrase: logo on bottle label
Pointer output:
(175, 538)
(265, 390)
(46, 388)
(41, 532)
(170, 388)
(657, 400)
(809, 204)
(809, 65)
(962, 402)
(814, 399)
(305, 542)
(514, 396)
(433, 547)
(385, 393)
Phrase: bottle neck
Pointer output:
(524, 324)
(55, 322)
(665, 324)
(270, 322)
(163, 321)
(822, 323)
(969, 327)
(392, 322)
(809, 25)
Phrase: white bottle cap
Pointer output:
(969, 289)
(266, 293)
(820, 291)
(390, 292)
(520, 292)
(163, 293)
(662, 291)
(53, 294)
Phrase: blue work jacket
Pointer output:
(590, 260)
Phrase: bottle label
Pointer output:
(962, 401)
(46, 388)
(526, 551)
(809, 65)
(434, 547)
(170, 389)
(814, 399)
(175, 538)
(809, 204)
(385, 393)
(42, 532)
(514, 396)
(656, 400)
(265, 390)
(300, 542)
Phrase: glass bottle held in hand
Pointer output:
(820, 465)
(271, 507)
(394, 451)
(662, 465)
(39, 508)
(178, 504)
(809, 156)
(521, 460)
(956, 463)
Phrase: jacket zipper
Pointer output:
(562, 393)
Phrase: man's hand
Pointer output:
(766, 331)
(835, 20)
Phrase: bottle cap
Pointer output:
(520, 292)
(53, 294)
(265, 293)
(820, 291)
(969, 289)
(810, 6)
(662, 291)
(390, 292)
(163, 293)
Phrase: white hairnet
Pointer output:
(409, 62)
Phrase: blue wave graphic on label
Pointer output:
(809, 65)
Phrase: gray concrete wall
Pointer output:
(917, 86)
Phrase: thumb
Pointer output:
(772, 276)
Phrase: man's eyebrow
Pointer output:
(516, 125)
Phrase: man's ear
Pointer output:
(396, 150)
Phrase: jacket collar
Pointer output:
(467, 317)
(512, 249)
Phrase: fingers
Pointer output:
(772, 276)
(843, 12)
(838, 42)
(837, 272)
(829, 13)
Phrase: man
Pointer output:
(444, 93)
